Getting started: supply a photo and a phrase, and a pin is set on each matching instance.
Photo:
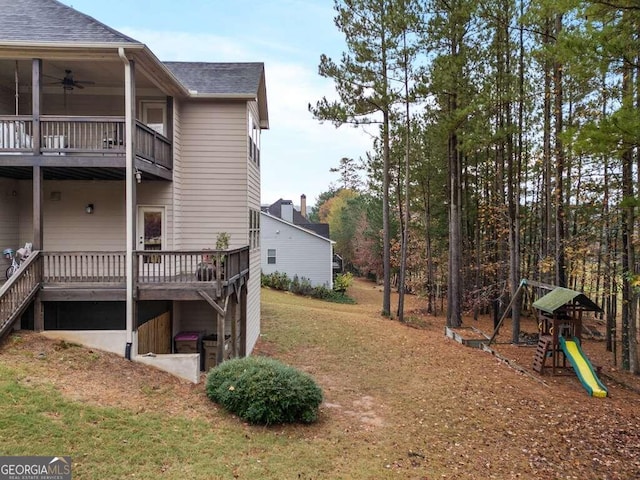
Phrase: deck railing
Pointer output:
(152, 146)
(78, 135)
(16, 133)
(17, 292)
(84, 267)
(154, 267)
(192, 266)
(88, 135)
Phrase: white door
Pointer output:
(151, 237)
(154, 114)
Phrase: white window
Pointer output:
(253, 138)
(271, 256)
(254, 228)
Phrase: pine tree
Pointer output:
(363, 81)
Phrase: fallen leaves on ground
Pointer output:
(406, 401)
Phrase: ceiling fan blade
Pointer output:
(77, 85)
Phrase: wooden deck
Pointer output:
(160, 275)
(217, 277)
(81, 142)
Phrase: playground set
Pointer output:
(560, 326)
(559, 316)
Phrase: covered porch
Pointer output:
(75, 147)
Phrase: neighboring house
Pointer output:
(284, 209)
(290, 244)
(122, 170)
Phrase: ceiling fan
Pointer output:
(68, 82)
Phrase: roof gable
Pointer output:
(219, 78)
(50, 21)
(296, 227)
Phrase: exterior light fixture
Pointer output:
(89, 208)
(138, 176)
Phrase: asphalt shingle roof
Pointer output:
(219, 78)
(275, 210)
(50, 21)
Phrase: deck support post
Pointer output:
(38, 314)
(233, 314)
(243, 321)
(36, 100)
(130, 188)
(221, 318)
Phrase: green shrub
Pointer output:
(277, 280)
(302, 286)
(264, 391)
(343, 281)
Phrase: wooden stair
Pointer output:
(18, 292)
(544, 344)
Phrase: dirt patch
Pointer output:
(363, 410)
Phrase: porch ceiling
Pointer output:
(66, 173)
(102, 75)
(70, 173)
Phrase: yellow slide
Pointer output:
(583, 367)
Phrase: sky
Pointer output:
(288, 36)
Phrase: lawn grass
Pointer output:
(109, 442)
(117, 443)
(399, 403)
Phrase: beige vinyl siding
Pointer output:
(7, 102)
(9, 219)
(253, 201)
(66, 225)
(82, 104)
(253, 300)
(211, 176)
(195, 316)
(75, 102)
(253, 177)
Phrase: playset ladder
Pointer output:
(544, 344)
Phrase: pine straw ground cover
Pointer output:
(400, 402)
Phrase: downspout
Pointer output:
(130, 193)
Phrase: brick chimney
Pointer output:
(303, 205)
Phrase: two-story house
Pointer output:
(124, 171)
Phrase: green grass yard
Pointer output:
(400, 403)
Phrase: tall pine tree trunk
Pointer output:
(545, 210)
(407, 215)
(561, 279)
(454, 288)
(628, 252)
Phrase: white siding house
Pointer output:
(290, 249)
